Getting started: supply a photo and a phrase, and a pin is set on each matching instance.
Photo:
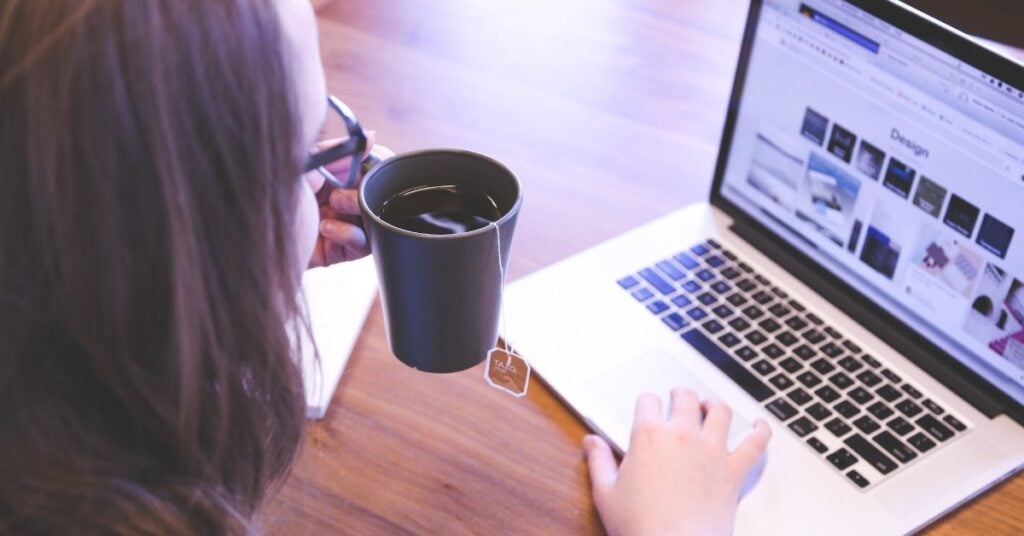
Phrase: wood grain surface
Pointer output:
(610, 112)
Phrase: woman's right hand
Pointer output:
(678, 476)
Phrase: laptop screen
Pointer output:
(896, 166)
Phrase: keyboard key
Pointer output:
(762, 297)
(858, 479)
(935, 428)
(933, 407)
(896, 448)
(818, 411)
(838, 427)
(746, 267)
(842, 459)
(869, 378)
(721, 287)
(781, 409)
(697, 313)
(762, 279)
(814, 319)
(822, 366)
(911, 392)
(952, 421)
(860, 395)
(796, 323)
(832, 350)
(729, 255)
(746, 353)
(756, 338)
(880, 411)
(802, 426)
(628, 282)
(850, 364)
(670, 269)
(797, 306)
(779, 310)
(699, 249)
(714, 261)
(681, 301)
(705, 275)
(827, 393)
(851, 346)
(891, 376)
(900, 426)
(769, 325)
(888, 393)
(736, 299)
(866, 424)
(786, 339)
(739, 324)
(799, 396)
(746, 285)
(921, 442)
(691, 286)
(813, 336)
(707, 298)
(808, 378)
(882, 463)
(804, 352)
(790, 365)
(711, 242)
(657, 307)
(730, 273)
(817, 445)
(832, 332)
(872, 362)
(687, 261)
(763, 367)
(753, 312)
(840, 380)
(732, 368)
(779, 292)
(846, 409)
(908, 407)
(729, 340)
(657, 282)
(781, 382)
(773, 351)
(723, 311)
(674, 321)
(713, 326)
(643, 294)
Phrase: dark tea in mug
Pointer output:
(441, 210)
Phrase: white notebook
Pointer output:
(339, 298)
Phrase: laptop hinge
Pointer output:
(954, 375)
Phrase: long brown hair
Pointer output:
(149, 167)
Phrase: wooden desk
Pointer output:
(610, 112)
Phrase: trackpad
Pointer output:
(654, 372)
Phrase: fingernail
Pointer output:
(327, 227)
(589, 442)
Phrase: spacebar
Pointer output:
(728, 365)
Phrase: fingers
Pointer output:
(345, 201)
(601, 463)
(648, 410)
(717, 418)
(343, 241)
(747, 453)
(685, 408)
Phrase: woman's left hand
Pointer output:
(341, 237)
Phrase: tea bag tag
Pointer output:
(508, 372)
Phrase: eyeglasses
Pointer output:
(353, 146)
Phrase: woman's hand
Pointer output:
(341, 236)
(678, 476)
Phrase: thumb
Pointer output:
(601, 462)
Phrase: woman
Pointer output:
(154, 222)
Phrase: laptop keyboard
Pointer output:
(854, 410)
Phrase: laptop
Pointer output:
(856, 277)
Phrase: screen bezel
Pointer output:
(911, 344)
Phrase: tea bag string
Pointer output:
(501, 273)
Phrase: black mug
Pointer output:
(441, 292)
